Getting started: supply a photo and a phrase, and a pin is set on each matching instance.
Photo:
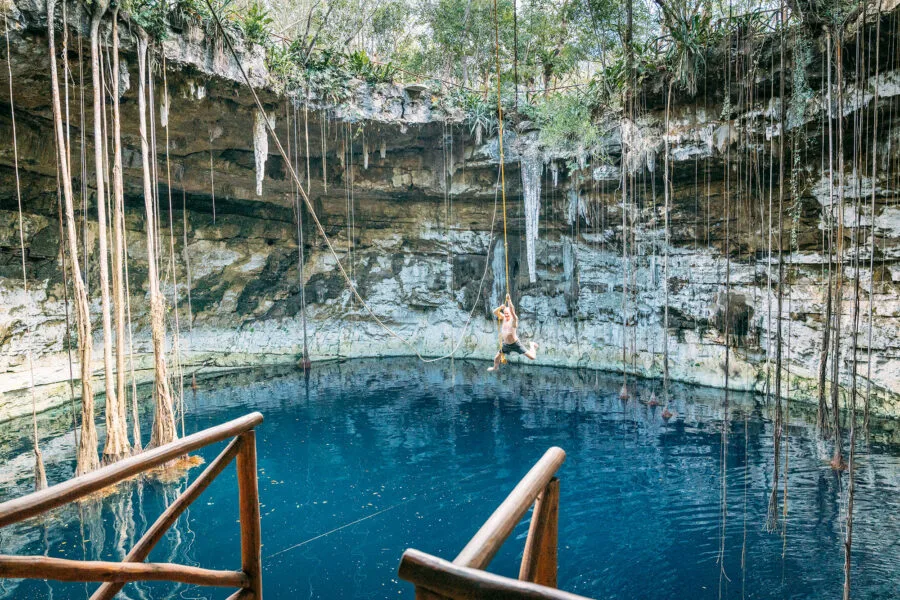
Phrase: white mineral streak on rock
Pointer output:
(261, 147)
(532, 169)
(639, 140)
(498, 266)
(576, 207)
(164, 110)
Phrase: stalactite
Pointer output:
(260, 148)
(532, 168)
(87, 445)
(164, 418)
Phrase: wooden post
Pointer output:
(539, 562)
(248, 494)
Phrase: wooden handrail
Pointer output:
(485, 544)
(451, 580)
(141, 550)
(61, 569)
(465, 578)
(34, 504)
(114, 575)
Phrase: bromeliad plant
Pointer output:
(360, 65)
(256, 25)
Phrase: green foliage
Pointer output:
(567, 125)
(801, 93)
(481, 113)
(256, 24)
(390, 28)
(326, 74)
(686, 56)
(462, 36)
(150, 15)
(156, 16)
(361, 66)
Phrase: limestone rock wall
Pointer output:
(410, 205)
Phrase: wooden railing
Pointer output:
(114, 575)
(465, 577)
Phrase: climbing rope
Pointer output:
(500, 140)
(502, 174)
(321, 229)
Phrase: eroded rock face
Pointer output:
(410, 205)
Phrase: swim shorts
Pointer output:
(514, 347)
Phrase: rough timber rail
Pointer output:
(464, 578)
(114, 575)
(434, 578)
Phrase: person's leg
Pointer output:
(532, 354)
(496, 363)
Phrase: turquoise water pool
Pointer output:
(366, 458)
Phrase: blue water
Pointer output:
(368, 458)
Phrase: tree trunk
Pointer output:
(164, 417)
(821, 413)
(837, 460)
(116, 445)
(118, 232)
(87, 459)
(772, 520)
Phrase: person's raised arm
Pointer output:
(512, 310)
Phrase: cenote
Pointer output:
(363, 459)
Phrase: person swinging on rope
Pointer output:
(509, 337)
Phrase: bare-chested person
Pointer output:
(509, 334)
